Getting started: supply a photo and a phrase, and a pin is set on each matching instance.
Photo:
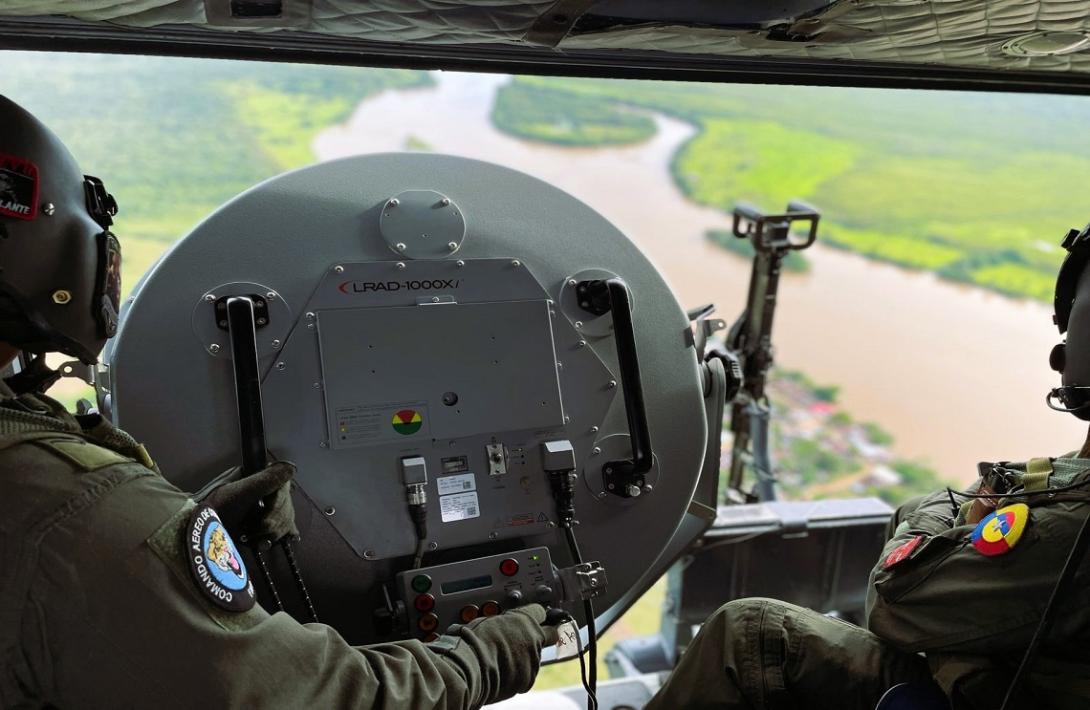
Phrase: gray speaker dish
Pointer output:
(468, 363)
(422, 224)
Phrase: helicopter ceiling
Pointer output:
(1014, 45)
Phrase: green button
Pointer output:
(421, 583)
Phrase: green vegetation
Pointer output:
(537, 113)
(175, 138)
(794, 261)
(977, 188)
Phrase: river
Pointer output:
(955, 373)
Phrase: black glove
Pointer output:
(236, 500)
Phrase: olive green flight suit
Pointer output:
(98, 608)
(945, 612)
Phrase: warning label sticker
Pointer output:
(359, 425)
(460, 506)
(514, 521)
(456, 484)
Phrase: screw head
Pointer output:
(310, 315)
(48, 209)
(452, 245)
(393, 202)
(595, 451)
(571, 282)
(602, 494)
(271, 295)
(317, 385)
(445, 201)
(578, 324)
(551, 524)
(281, 365)
(338, 269)
(276, 344)
(323, 445)
(609, 469)
(435, 299)
(647, 488)
(433, 546)
(582, 343)
(62, 297)
(400, 246)
(210, 297)
(214, 348)
(612, 384)
(330, 510)
(460, 263)
(594, 430)
(493, 535)
(369, 554)
(516, 262)
(401, 265)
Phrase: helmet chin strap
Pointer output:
(36, 377)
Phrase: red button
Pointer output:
(469, 613)
(509, 567)
(490, 608)
(424, 602)
(428, 622)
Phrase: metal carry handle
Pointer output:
(626, 476)
(773, 231)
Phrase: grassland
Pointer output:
(977, 188)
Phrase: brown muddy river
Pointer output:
(955, 373)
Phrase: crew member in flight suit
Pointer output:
(954, 597)
(103, 603)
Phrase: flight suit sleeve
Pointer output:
(117, 621)
(931, 590)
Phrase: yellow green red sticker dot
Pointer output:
(407, 421)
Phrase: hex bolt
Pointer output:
(400, 246)
(281, 365)
(48, 209)
(213, 348)
(210, 297)
(276, 344)
(330, 510)
(338, 269)
(452, 245)
(61, 297)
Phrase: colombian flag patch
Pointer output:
(1000, 531)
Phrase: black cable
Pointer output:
(591, 684)
(289, 553)
(1078, 551)
(259, 555)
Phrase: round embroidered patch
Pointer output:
(1001, 530)
(216, 563)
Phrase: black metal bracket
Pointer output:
(772, 232)
(240, 319)
(260, 309)
(625, 478)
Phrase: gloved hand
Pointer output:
(236, 500)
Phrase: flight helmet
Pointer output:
(60, 266)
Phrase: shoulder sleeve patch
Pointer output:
(172, 544)
(82, 454)
(216, 563)
(902, 552)
(1001, 530)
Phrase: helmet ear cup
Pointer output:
(1058, 357)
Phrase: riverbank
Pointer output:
(955, 374)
